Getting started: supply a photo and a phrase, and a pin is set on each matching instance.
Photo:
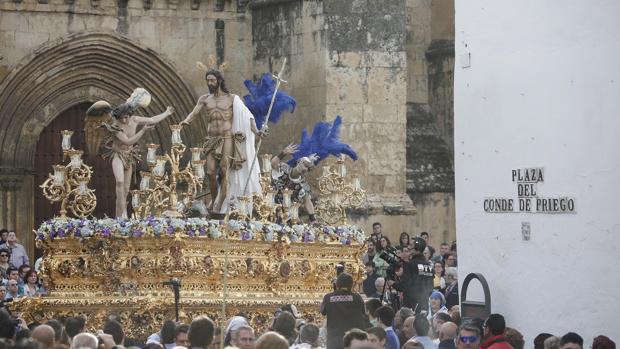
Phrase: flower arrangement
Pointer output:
(197, 227)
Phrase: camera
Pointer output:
(394, 261)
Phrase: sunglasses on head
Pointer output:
(468, 339)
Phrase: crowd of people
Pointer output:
(17, 278)
(408, 300)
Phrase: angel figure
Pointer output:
(113, 131)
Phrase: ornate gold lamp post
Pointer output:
(69, 183)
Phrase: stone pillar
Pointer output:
(366, 83)
(16, 202)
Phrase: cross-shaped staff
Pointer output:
(279, 80)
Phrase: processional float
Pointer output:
(250, 262)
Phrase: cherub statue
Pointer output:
(113, 131)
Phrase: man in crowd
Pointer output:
(424, 235)
(368, 285)
(452, 288)
(3, 236)
(200, 333)
(571, 340)
(377, 337)
(447, 335)
(372, 305)
(244, 338)
(84, 341)
(355, 339)
(344, 310)
(74, 326)
(416, 282)
(12, 290)
(372, 255)
(494, 333)
(469, 336)
(22, 271)
(421, 328)
(308, 337)
(444, 249)
(376, 233)
(180, 336)
(18, 252)
(385, 316)
(408, 331)
(45, 335)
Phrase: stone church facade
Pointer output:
(385, 66)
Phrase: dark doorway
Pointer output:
(49, 153)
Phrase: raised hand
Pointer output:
(170, 110)
(290, 149)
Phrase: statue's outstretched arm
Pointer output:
(133, 139)
(194, 112)
(155, 119)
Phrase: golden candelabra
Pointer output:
(157, 194)
(266, 207)
(336, 195)
(69, 183)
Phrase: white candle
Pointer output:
(151, 155)
(196, 154)
(76, 159)
(266, 163)
(199, 169)
(286, 195)
(135, 198)
(356, 183)
(145, 181)
(160, 166)
(82, 187)
(66, 139)
(59, 175)
(176, 134)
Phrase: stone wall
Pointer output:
(363, 60)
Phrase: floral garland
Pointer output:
(197, 227)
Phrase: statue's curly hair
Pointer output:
(122, 110)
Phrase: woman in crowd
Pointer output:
(4, 262)
(436, 304)
(385, 242)
(32, 287)
(403, 240)
(439, 283)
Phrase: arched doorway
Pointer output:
(49, 153)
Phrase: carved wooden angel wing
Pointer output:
(96, 130)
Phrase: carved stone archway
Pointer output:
(77, 68)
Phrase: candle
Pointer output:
(286, 195)
(76, 158)
(135, 198)
(196, 154)
(269, 199)
(266, 163)
(82, 189)
(199, 169)
(176, 134)
(356, 183)
(59, 175)
(294, 212)
(151, 155)
(343, 168)
(145, 181)
(66, 139)
(160, 166)
(326, 171)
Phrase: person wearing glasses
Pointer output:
(18, 255)
(4, 262)
(469, 336)
(12, 290)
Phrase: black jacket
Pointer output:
(416, 283)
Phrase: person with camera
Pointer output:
(416, 280)
(343, 309)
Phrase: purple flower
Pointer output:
(191, 233)
(170, 230)
(106, 232)
(61, 233)
(202, 231)
(78, 233)
(245, 236)
(40, 236)
(137, 233)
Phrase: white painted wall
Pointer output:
(543, 90)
